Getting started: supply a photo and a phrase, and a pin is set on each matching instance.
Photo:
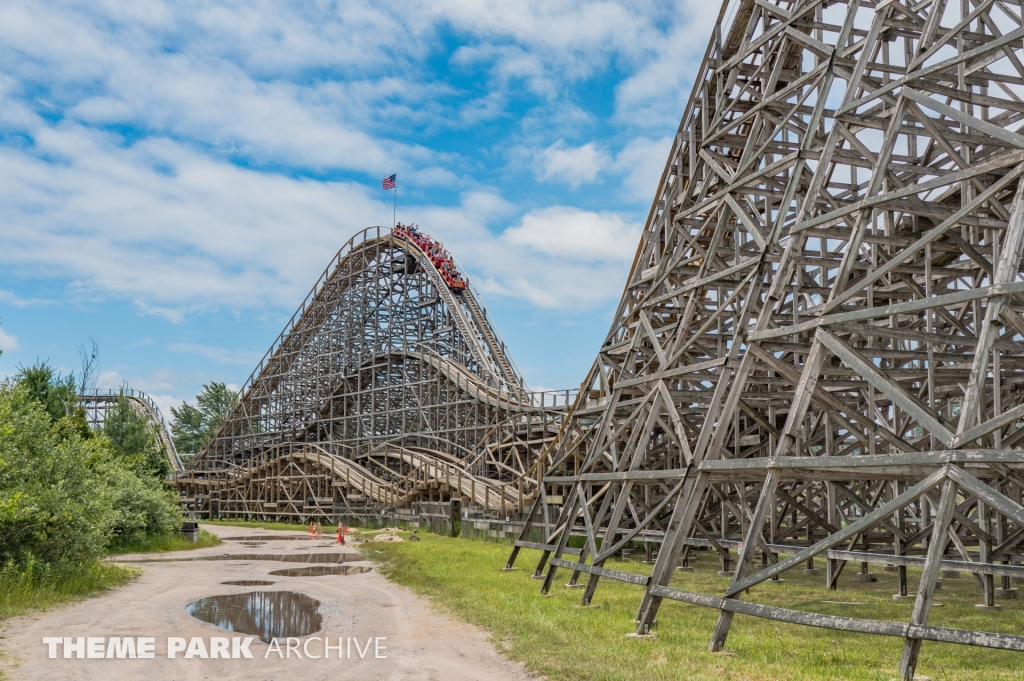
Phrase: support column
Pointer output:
(750, 545)
(929, 575)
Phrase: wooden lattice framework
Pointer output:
(96, 403)
(819, 348)
(384, 369)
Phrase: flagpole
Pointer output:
(394, 208)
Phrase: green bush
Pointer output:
(67, 495)
(142, 507)
(55, 504)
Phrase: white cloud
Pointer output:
(170, 228)
(219, 355)
(576, 235)
(570, 165)
(657, 91)
(8, 342)
(157, 151)
(641, 163)
(14, 299)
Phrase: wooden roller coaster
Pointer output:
(389, 386)
(820, 348)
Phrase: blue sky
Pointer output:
(174, 176)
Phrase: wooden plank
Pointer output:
(853, 624)
(545, 547)
(917, 561)
(629, 577)
(947, 300)
(618, 476)
(671, 373)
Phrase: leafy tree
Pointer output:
(134, 440)
(55, 504)
(194, 426)
(66, 494)
(55, 392)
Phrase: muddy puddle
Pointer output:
(252, 543)
(266, 614)
(322, 558)
(249, 582)
(320, 571)
(270, 537)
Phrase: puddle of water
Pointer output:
(320, 571)
(253, 543)
(330, 558)
(267, 614)
(249, 582)
(272, 537)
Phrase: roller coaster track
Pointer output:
(305, 468)
(96, 404)
(385, 369)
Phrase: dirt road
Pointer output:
(417, 644)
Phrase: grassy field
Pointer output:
(164, 543)
(556, 637)
(20, 593)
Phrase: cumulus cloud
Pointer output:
(8, 342)
(641, 163)
(167, 227)
(183, 155)
(570, 165)
(574, 234)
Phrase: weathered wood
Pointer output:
(617, 575)
(829, 289)
(852, 624)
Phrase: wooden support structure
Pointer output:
(387, 388)
(820, 347)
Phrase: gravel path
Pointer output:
(420, 644)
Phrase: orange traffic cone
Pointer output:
(311, 531)
(341, 537)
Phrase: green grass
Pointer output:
(22, 592)
(555, 637)
(165, 542)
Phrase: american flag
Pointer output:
(390, 182)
